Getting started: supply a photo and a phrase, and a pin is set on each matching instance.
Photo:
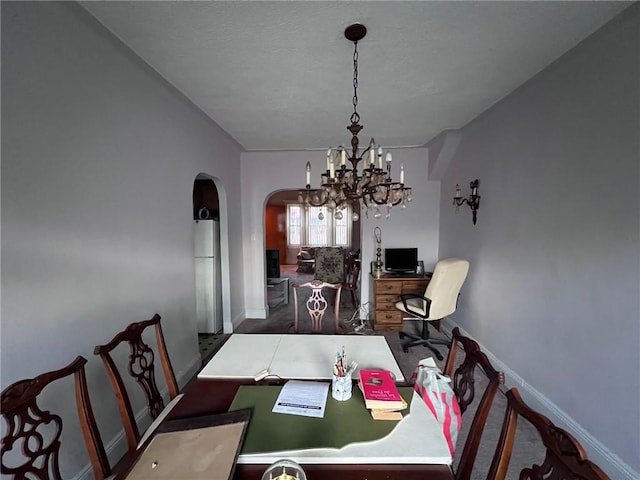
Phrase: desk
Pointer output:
(302, 357)
(215, 396)
(386, 291)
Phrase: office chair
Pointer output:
(439, 300)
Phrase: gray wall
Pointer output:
(99, 155)
(554, 280)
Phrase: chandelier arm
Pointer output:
(390, 191)
(321, 203)
(309, 194)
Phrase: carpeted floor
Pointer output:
(528, 448)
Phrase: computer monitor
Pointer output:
(402, 260)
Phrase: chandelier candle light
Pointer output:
(342, 185)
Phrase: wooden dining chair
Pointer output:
(351, 278)
(316, 304)
(464, 386)
(564, 456)
(141, 367)
(36, 434)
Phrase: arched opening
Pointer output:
(292, 233)
(211, 253)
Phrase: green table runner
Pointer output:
(343, 422)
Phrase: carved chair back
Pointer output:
(35, 434)
(464, 386)
(141, 367)
(564, 455)
(317, 304)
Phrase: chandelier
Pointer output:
(342, 185)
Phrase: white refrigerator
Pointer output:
(207, 267)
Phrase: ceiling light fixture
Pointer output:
(342, 186)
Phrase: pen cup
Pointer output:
(341, 387)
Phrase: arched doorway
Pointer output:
(282, 256)
(211, 253)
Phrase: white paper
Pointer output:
(307, 399)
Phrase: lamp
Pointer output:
(343, 185)
(377, 233)
(473, 201)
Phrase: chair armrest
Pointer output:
(406, 296)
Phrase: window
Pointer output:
(317, 230)
(294, 224)
(342, 230)
(305, 228)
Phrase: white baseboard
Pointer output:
(260, 313)
(116, 448)
(608, 461)
(237, 321)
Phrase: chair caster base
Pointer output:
(405, 349)
(401, 335)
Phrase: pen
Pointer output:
(352, 367)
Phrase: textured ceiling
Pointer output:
(278, 75)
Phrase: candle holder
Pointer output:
(284, 470)
(473, 201)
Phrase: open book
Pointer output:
(381, 394)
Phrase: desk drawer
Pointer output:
(414, 286)
(383, 288)
(386, 302)
(386, 317)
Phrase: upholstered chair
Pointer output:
(330, 264)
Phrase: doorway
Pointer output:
(207, 256)
(292, 263)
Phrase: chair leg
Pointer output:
(425, 343)
(423, 339)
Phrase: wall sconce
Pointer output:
(473, 201)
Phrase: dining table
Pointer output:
(425, 459)
(204, 397)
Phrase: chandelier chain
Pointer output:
(341, 186)
(355, 117)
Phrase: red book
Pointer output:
(380, 391)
